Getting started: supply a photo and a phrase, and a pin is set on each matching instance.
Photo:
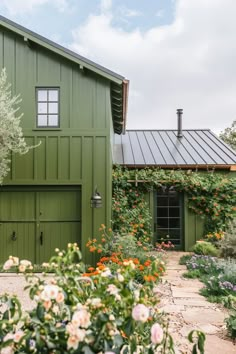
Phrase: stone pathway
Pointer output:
(189, 310)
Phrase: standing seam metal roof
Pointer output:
(139, 148)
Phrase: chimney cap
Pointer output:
(179, 110)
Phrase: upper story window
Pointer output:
(47, 107)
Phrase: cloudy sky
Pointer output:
(176, 53)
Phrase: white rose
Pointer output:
(156, 334)
(140, 313)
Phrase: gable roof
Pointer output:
(162, 148)
(119, 85)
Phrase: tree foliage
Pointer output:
(11, 135)
(229, 135)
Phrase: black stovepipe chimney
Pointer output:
(179, 114)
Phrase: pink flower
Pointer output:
(156, 334)
(74, 340)
(49, 292)
(8, 264)
(60, 297)
(81, 318)
(18, 335)
(140, 313)
(112, 289)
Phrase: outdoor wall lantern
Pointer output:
(96, 200)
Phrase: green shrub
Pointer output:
(228, 243)
(184, 259)
(205, 248)
(231, 324)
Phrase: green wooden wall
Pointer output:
(77, 153)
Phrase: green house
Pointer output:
(77, 110)
(73, 107)
(194, 150)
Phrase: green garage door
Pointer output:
(34, 223)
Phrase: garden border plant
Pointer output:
(106, 312)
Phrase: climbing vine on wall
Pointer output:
(210, 194)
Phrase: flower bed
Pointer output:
(219, 278)
(80, 310)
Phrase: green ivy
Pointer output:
(210, 195)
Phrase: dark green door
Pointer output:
(59, 221)
(17, 225)
(35, 222)
(169, 217)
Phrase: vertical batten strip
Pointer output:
(34, 159)
(46, 158)
(58, 157)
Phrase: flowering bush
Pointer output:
(106, 313)
(215, 236)
(204, 264)
(119, 251)
(76, 313)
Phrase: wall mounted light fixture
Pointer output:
(96, 200)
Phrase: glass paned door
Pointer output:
(168, 214)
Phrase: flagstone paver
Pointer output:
(188, 310)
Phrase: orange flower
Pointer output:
(91, 269)
(147, 263)
(136, 261)
(149, 278)
(103, 240)
(99, 250)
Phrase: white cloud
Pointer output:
(188, 64)
(125, 11)
(160, 13)
(18, 7)
(106, 5)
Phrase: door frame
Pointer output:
(181, 247)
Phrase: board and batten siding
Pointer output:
(77, 153)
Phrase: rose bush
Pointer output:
(106, 312)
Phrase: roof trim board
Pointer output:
(58, 49)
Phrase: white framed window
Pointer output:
(47, 100)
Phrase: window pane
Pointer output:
(174, 200)
(162, 223)
(162, 201)
(162, 212)
(53, 120)
(53, 95)
(42, 107)
(174, 223)
(53, 108)
(42, 120)
(42, 95)
(174, 212)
